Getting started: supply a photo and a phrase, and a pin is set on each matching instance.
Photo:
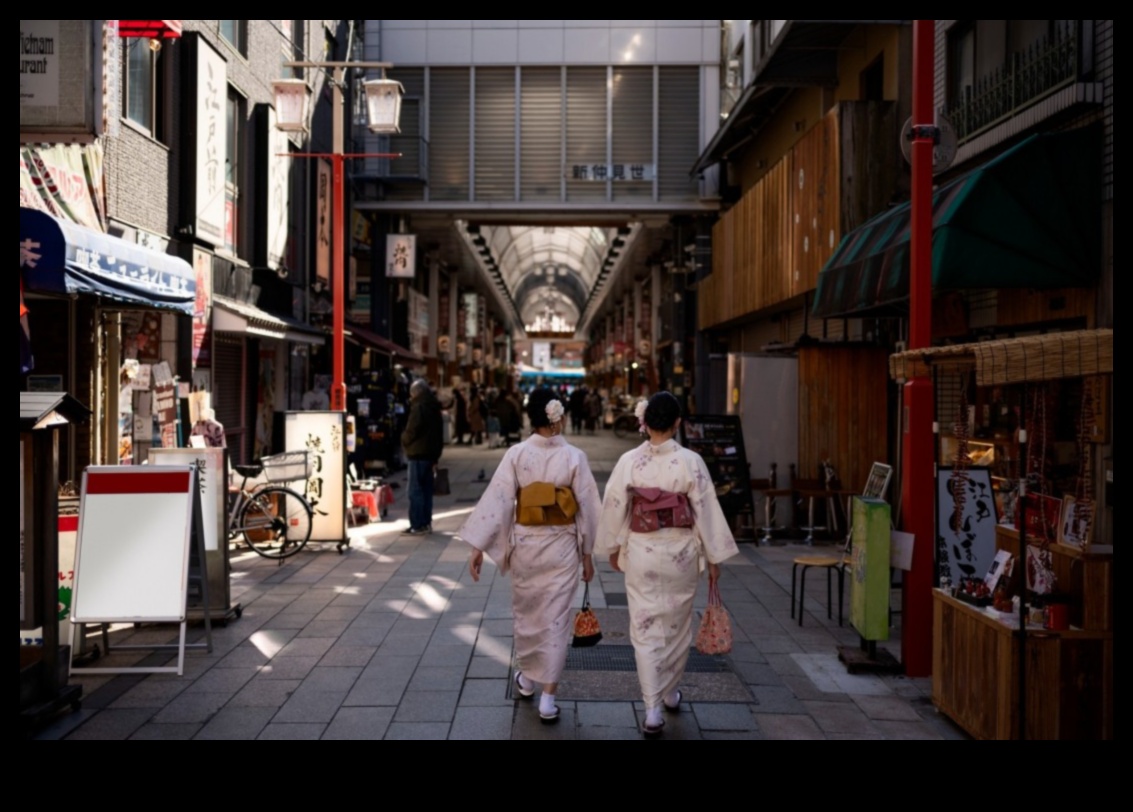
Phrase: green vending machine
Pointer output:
(870, 584)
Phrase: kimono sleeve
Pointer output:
(589, 504)
(613, 528)
(711, 524)
(489, 527)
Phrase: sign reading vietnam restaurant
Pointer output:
(39, 63)
(210, 107)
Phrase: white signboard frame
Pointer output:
(323, 436)
(136, 525)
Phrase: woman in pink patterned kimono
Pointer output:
(662, 555)
(545, 560)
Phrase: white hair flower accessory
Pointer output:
(555, 411)
(639, 411)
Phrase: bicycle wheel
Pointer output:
(276, 522)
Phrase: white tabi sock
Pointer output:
(547, 704)
(653, 717)
(525, 683)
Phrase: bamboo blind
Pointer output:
(1074, 354)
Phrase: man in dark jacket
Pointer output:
(423, 441)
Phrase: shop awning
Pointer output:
(1029, 218)
(368, 338)
(60, 257)
(1048, 357)
(231, 316)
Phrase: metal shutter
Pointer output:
(680, 132)
(633, 128)
(449, 111)
(495, 133)
(586, 130)
(541, 134)
(228, 390)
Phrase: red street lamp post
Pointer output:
(918, 491)
(383, 98)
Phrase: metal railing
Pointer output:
(1029, 76)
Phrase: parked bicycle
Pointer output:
(274, 520)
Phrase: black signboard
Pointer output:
(720, 441)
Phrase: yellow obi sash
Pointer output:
(542, 504)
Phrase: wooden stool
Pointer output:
(832, 564)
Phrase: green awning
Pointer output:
(1029, 218)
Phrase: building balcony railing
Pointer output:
(1027, 78)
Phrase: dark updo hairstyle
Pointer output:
(537, 407)
(663, 411)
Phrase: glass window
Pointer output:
(141, 102)
(232, 178)
(233, 31)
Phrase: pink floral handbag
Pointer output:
(653, 509)
(715, 634)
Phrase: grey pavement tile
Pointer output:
(805, 689)
(359, 724)
(887, 709)
(407, 732)
(781, 644)
(339, 612)
(349, 656)
(734, 736)
(236, 724)
(855, 737)
(310, 707)
(324, 628)
(401, 646)
(427, 706)
(293, 733)
(378, 689)
(489, 668)
(374, 619)
(268, 642)
(723, 717)
(265, 693)
(189, 708)
(529, 727)
(485, 693)
(290, 621)
(499, 628)
(678, 726)
(438, 678)
(833, 717)
(111, 725)
(747, 653)
(776, 701)
(459, 656)
(166, 733)
(606, 714)
(909, 731)
(246, 655)
(617, 734)
(223, 681)
(482, 724)
(785, 665)
(308, 647)
(289, 668)
(455, 634)
(790, 728)
(332, 679)
(149, 694)
(758, 674)
(369, 637)
(405, 627)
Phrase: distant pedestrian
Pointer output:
(477, 416)
(423, 441)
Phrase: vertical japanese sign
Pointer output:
(401, 256)
(165, 404)
(212, 143)
(322, 222)
(323, 436)
(202, 309)
(471, 315)
(279, 194)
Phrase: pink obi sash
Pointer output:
(653, 509)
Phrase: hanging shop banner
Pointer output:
(202, 309)
(966, 522)
(401, 256)
(65, 181)
(165, 404)
(276, 230)
(471, 308)
(210, 83)
(323, 221)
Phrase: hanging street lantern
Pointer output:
(383, 103)
(292, 102)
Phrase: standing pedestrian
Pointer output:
(462, 426)
(477, 416)
(537, 521)
(423, 441)
(662, 553)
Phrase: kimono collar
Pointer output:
(539, 441)
(667, 447)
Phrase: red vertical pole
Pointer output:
(918, 485)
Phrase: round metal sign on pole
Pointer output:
(943, 154)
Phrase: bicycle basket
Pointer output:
(290, 466)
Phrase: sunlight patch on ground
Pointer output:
(432, 599)
(829, 675)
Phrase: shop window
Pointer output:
(236, 33)
(293, 48)
(234, 178)
(143, 97)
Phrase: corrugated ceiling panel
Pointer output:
(680, 131)
(495, 133)
(586, 130)
(541, 134)
(449, 109)
(633, 128)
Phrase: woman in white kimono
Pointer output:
(662, 565)
(545, 548)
